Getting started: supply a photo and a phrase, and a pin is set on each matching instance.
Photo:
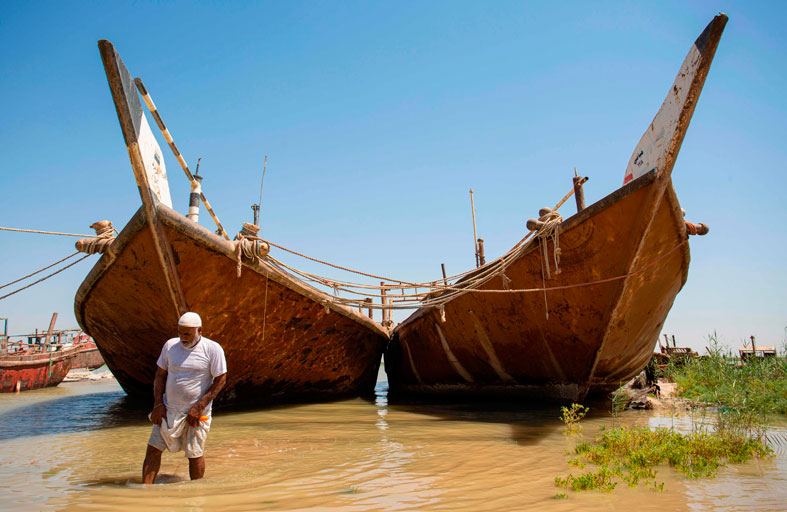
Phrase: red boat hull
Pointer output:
(26, 372)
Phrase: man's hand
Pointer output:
(159, 410)
(159, 383)
(194, 415)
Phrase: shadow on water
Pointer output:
(530, 421)
(72, 414)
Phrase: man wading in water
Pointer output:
(191, 372)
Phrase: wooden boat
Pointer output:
(507, 329)
(39, 362)
(283, 340)
(88, 355)
(28, 370)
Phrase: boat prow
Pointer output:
(512, 327)
(283, 339)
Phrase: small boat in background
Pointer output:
(40, 361)
(88, 355)
(515, 326)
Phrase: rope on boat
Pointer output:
(46, 277)
(249, 246)
(532, 290)
(548, 226)
(39, 271)
(46, 232)
(105, 235)
(296, 253)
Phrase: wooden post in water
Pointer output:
(475, 235)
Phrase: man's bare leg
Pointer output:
(197, 468)
(151, 465)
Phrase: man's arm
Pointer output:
(210, 394)
(159, 384)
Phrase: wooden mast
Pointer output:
(135, 127)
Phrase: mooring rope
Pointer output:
(46, 232)
(45, 277)
(334, 265)
(527, 290)
(39, 270)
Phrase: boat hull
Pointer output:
(35, 371)
(576, 339)
(88, 357)
(283, 340)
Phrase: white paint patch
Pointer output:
(652, 149)
(452, 358)
(153, 160)
(486, 344)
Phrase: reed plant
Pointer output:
(753, 389)
(731, 403)
(631, 455)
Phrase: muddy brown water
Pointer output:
(80, 447)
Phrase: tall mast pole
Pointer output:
(475, 237)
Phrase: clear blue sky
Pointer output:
(378, 117)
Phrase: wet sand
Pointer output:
(80, 447)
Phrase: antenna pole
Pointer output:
(475, 236)
(258, 206)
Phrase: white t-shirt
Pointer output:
(190, 372)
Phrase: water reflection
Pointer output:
(70, 414)
(349, 455)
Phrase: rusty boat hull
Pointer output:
(88, 357)
(506, 330)
(284, 341)
(24, 372)
(580, 338)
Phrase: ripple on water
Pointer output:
(82, 448)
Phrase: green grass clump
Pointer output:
(757, 388)
(631, 454)
(571, 416)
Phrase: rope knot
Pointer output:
(249, 247)
(105, 235)
(547, 228)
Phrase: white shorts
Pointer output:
(191, 440)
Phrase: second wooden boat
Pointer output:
(517, 326)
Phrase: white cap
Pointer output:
(190, 320)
